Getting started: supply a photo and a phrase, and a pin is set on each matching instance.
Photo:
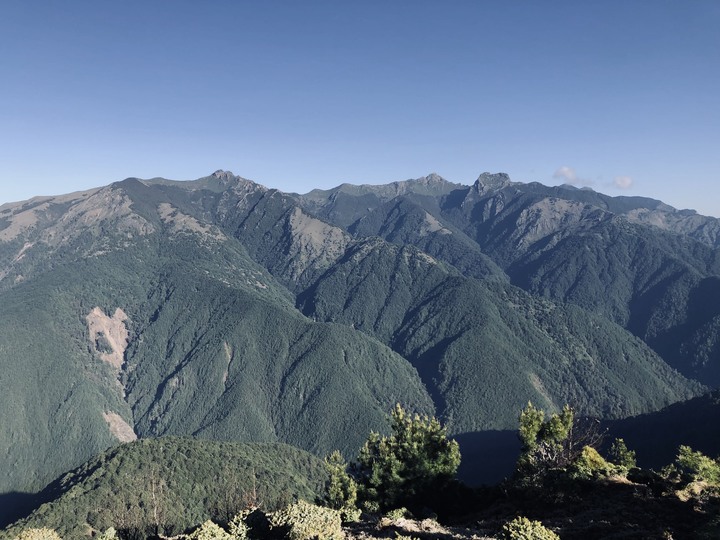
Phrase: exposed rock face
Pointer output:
(180, 223)
(432, 225)
(550, 216)
(491, 182)
(119, 427)
(108, 336)
(91, 223)
(702, 228)
(107, 209)
(314, 243)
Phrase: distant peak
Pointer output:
(494, 178)
(434, 178)
(223, 175)
(487, 181)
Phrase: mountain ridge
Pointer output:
(239, 312)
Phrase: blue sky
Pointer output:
(620, 96)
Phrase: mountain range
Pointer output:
(224, 310)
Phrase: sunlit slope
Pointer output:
(170, 484)
(118, 330)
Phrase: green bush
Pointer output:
(209, 531)
(521, 528)
(237, 527)
(590, 465)
(397, 513)
(250, 523)
(621, 456)
(109, 534)
(544, 442)
(350, 515)
(560, 447)
(305, 521)
(42, 533)
(371, 507)
(698, 466)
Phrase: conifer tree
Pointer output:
(410, 466)
(341, 488)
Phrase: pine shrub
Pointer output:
(621, 456)
(411, 466)
(209, 531)
(397, 513)
(305, 521)
(341, 488)
(109, 534)
(590, 464)
(238, 527)
(250, 523)
(698, 466)
(521, 528)
(42, 533)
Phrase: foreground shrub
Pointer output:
(551, 446)
(371, 507)
(698, 466)
(209, 531)
(544, 442)
(42, 533)
(350, 514)
(250, 523)
(590, 464)
(237, 527)
(411, 466)
(341, 489)
(521, 528)
(621, 456)
(109, 534)
(397, 513)
(305, 521)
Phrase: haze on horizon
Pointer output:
(620, 97)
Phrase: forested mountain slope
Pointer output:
(482, 347)
(167, 485)
(222, 309)
(116, 331)
(636, 261)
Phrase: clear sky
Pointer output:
(622, 96)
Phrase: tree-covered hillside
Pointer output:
(642, 264)
(170, 484)
(147, 322)
(224, 310)
(563, 485)
(483, 348)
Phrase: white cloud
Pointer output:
(569, 176)
(623, 182)
(566, 173)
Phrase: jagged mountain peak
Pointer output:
(432, 178)
(217, 182)
(223, 175)
(228, 178)
(492, 181)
